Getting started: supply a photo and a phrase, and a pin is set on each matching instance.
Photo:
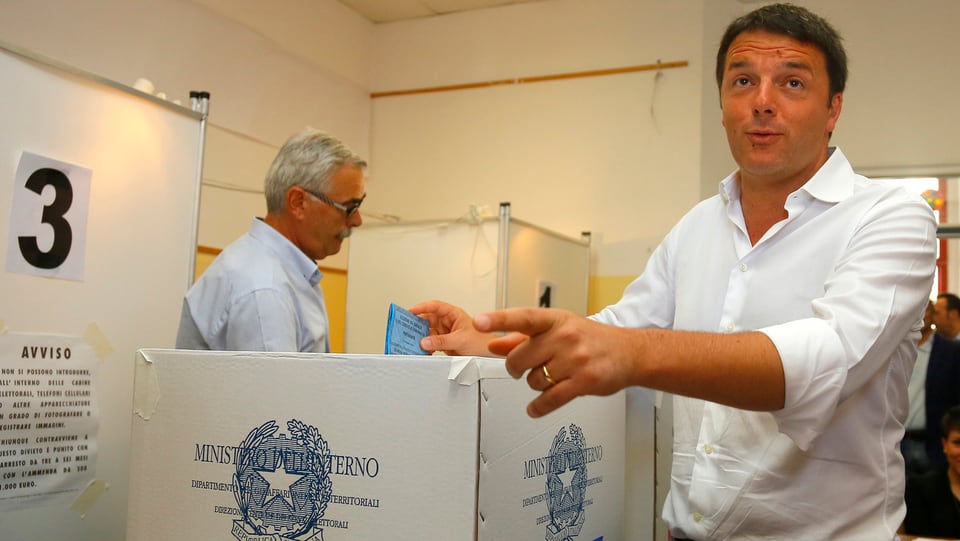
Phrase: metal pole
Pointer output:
(200, 102)
(587, 237)
(503, 256)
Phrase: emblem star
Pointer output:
(279, 481)
(566, 477)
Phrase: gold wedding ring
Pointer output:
(546, 374)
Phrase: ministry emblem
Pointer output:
(282, 485)
(568, 459)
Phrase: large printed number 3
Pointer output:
(53, 215)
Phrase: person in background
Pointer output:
(941, 384)
(933, 499)
(262, 293)
(913, 447)
(783, 314)
(946, 315)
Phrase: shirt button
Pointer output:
(708, 449)
(697, 517)
(743, 267)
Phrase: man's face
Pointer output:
(777, 109)
(928, 316)
(941, 316)
(324, 226)
(951, 448)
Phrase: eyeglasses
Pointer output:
(349, 210)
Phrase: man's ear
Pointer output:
(296, 200)
(836, 105)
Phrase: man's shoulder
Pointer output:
(246, 264)
(944, 364)
(705, 218)
(245, 247)
(706, 209)
(941, 341)
(884, 191)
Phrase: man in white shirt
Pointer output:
(262, 293)
(783, 313)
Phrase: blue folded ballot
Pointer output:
(404, 331)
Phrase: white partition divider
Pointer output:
(464, 262)
(480, 265)
(119, 208)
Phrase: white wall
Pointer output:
(615, 155)
(900, 111)
(574, 155)
(259, 87)
(262, 88)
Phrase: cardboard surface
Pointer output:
(362, 447)
(556, 478)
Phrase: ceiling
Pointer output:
(384, 11)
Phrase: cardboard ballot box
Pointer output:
(258, 446)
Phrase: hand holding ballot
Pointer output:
(404, 332)
(581, 361)
(451, 330)
(565, 356)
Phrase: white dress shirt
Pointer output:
(261, 293)
(840, 287)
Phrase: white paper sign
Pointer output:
(48, 419)
(48, 220)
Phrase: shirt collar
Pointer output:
(832, 183)
(288, 251)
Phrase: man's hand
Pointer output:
(581, 356)
(451, 330)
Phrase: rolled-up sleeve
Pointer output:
(874, 297)
(814, 371)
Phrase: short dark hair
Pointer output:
(798, 23)
(950, 421)
(953, 301)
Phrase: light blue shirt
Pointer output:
(261, 293)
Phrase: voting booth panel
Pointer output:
(99, 186)
(462, 261)
(325, 446)
(480, 264)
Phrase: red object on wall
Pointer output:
(942, 282)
